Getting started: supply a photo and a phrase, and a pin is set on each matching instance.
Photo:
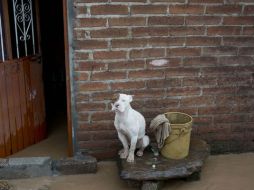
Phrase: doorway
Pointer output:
(54, 74)
(51, 33)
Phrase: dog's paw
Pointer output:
(130, 158)
(139, 153)
(124, 154)
(120, 151)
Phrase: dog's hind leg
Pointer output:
(143, 143)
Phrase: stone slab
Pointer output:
(29, 161)
(154, 168)
(28, 167)
(80, 164)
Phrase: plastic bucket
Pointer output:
(177, 144)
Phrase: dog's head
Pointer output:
(122, 103)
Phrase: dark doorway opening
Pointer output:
(54, 74)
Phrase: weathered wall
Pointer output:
(209, 48)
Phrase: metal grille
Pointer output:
(24, 27)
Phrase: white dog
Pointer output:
(130, 126)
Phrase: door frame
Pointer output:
(69, 81)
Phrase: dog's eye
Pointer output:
(123, 100)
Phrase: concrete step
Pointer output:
(28, 167)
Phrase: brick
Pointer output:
(224, 9)
(200, 61)
(105, 55)
(123, 65)
(203, 121)
(91, 1)
(229, 118)
(81, 55)
(199, 81)
(80, 34)
(170, 62)
(200, 101)
(96, 126)
(129, 1)
(102, 116)
(177, 72)
(127, 21)
(246, 51)
(236, 60)
(90, 66)
(207, 1)
(90, 22)
(217, 71)
(163, 83)
(109, 10)
(203, 41)
(102, 96)
(186, 9)
(239, 1)
(223, 30)
(90, 106)
(105, 135)
(185, 31)
(83, 117)
(218, 90)
(161, 103)
(147, 53)
(213, 110)
(109, 33)
(127, 85)
(184, 52)
(148, 9)
(168, 1)
(183, 91)
(165, 42)
(239, 20)
(151, 31)
(79, 10)
(248, 10)
(146, 74)
(83, 136)
(169, 20)
(224, 50)
(90, 44)
(150, 93)
(107, 75)
(128, 43)
(81, 76)
(234, 81)
(248, 31)
(203, 20)
(81, 97)
(92, 86)
(238, 41)
(98, 144)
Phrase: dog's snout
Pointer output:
(117, 105)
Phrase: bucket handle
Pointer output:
(183, 131)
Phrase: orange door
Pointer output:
(22, 110)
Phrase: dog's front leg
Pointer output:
(132, 149)
(124, 153)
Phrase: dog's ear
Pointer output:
(131, 98)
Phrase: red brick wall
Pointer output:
(209, 48)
